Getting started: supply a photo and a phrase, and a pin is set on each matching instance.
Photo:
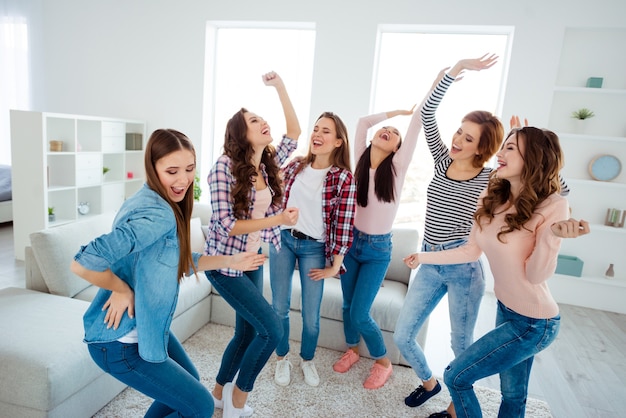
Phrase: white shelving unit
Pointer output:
(584, 55)
(44, 178)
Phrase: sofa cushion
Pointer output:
(405, 242)
(197, 236)
(54, 250)
(192, 290)
(42, 348)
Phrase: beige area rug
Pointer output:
(338, 395)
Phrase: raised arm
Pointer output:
(293, 125)
(473, 64)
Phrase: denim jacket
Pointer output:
(142, 249)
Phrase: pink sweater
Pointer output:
(377, 218)
(520, 266)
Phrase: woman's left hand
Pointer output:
(411, 261)
(570, 228)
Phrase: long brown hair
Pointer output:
(240, 151)
(491, 135)
(543, 159)
(163, 142)
(340, 156)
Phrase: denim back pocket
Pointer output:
(551, 330)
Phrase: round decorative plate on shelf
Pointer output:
(605, 167)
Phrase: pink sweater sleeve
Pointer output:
(360, 134)
(541, 263)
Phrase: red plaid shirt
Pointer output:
(338, 206)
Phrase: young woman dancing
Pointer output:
(321, 185)
(519, 224)
(380, 173)
(138, 267)
(246, 197)
(460, 176)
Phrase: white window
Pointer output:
(408, 60)
(237, 55)
(14, 77)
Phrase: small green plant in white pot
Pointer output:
(583, 113)
(580, 117)
(51, 215)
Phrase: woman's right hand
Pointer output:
(515, 122)
(246, 261)
(289, 216)
(117, 304)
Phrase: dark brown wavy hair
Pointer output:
(384, 177)
(491, 135)
(161, 143)
(238, 148)
(340, 156)
(543, 159)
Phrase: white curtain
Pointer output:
(14, 76)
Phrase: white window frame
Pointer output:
(420, 69)
(258, 98)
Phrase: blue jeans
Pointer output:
(465, 285)
(509, 349)
(173, 384)
(257, 327)
(366, 265)
(310, 255)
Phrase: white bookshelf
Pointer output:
(583, 56)
(43, 178)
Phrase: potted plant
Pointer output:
(105, 170)
(582, 113)
(51, 216)
(580, 116)
(197, 191)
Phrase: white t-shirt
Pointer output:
(306, 195)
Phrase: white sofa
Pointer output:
(385, 309)
(45, 368)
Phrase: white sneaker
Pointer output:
(219, 404)
(282, 375)
(227, 396)
(311, 377)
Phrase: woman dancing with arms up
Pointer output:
(246, 196)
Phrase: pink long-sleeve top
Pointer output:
(377, 218)
(522, 264)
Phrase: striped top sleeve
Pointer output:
(450, 204)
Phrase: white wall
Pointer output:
(143, 59)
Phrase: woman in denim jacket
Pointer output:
(138, 267)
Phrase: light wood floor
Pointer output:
(581, 375)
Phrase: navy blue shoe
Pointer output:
(421, 395)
